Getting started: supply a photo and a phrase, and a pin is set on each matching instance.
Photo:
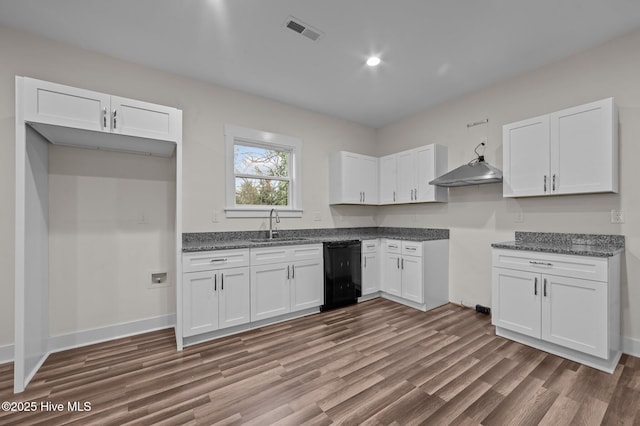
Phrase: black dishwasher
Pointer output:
(342, 274)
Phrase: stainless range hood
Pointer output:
(476, 172)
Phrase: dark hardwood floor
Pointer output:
(373, 363)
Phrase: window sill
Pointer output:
(260, 212)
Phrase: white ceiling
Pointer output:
(432, 50)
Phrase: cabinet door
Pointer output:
(60, 105)
(307, 280)
(234, 302)
(370, 272)
(406, 177)
(425, 173)
(269, 291)
(200, 303)
(584, 149)
(412, 279)
(143, 119)
(392, 275)
(526, 156)
(387, 179)
(516, 298)
(574, 314)
(369, 179)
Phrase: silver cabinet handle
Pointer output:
(365, 262)
(371, 245)
(398, 261)
(553, 182)
(545, 183)
(544, 291)
(364, 196)
(287, 271)
(215, 282)
(220, 259)
(293, 271)
(415, 194)
(535, 286)
(394, 196)
(411, 248)
(393, 246)
(221, 281)
(402, 264)
(533, 262)
(104, 117)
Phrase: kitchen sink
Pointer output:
(276, 240)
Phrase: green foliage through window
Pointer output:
(262, 175)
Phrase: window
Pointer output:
(262, 173)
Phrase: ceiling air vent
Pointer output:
(294, 24)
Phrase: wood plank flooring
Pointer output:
(376, 363)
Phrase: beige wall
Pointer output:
(478, 215)
(101, 255)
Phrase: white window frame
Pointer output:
(246, 136)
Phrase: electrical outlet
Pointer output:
(215, 218)
(142, 218)
(519, 218)
(617, 216)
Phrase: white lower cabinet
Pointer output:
(370, 267)
(269, 291)
(568, 305)
(285, 279)
(416, 273)
(215, 299)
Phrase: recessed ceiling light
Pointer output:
(373, 61)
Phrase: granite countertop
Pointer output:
(206, 241)
(574, 244)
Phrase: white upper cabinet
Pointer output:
(353, 178)
(65, 115)
(415, 168)
(51, 103)
(572, 151)
(388, 179)
(526, 157)
(142, 119)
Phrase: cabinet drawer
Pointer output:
(307, 251)
(211, 260)
(411, 248)
(393, 246)
(290, 253)
(369, 246)
(584, 267)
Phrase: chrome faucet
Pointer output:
(271, 232)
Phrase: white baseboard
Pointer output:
(97, 335)
(110, 332)
(631, 346)
(6, 354)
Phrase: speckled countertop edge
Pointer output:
(594, 245)
(206, 241)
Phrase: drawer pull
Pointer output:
(219, 260)
(544, 292)
(215, 282)
(371, 245)
(411, 248)
(393, 246)
(540, 263)
(535, 286)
